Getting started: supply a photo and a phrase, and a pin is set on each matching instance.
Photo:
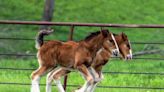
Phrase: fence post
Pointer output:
(69, 38)
(71, 33)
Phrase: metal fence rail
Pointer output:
(105, 72)
(81, 24)
(34, 55)
(32, 39)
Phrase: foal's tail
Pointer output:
(40, 36)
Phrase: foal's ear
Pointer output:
(105, 32)
(124, 36)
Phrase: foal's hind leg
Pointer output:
(36, 78)
(49, 80)
(56, 75)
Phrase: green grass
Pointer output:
(19, 76)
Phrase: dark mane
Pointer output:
(91, 35)
(115, 34)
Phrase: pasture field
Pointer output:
(87, 11)
(74, 78)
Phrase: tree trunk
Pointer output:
(48, 12)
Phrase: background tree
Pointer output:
(48, 12)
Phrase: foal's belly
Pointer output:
(66, 61)
(65, 56)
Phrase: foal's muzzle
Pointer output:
(115, 52)
(129, 57)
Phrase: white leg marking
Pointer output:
(86, 84)
(92, 87)
(57, 81)
(49, 82)
(83, 88)
(94, 73)
(59, 85)
(35, 84)
(101, 76)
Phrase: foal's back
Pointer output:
(53, 51)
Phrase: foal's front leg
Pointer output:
(92, 87)
(96, 70)
(97, 79)
(87, 75)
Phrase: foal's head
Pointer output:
(124, 46)
(111, 44)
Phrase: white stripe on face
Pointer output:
(130, 50)
(131, 53)
(113, 38)
(129, 44)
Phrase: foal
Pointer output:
(100, 60)
(72, 55)
(102, 57)
(110, 45)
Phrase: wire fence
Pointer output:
(81, 24)
(105, 72)
(122, 87)
(32, 39)
(34, 55)
(72, 25)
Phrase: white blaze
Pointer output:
(115, 42)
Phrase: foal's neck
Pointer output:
(95, 44)
(106, 47)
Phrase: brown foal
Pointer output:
(69, 55)
(101, 59)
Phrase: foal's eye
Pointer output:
(111, 40)
(128, 45)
